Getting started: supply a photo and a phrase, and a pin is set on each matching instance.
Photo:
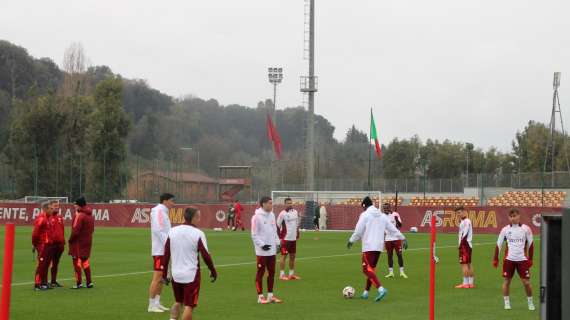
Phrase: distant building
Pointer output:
(189, 187)
(234, 180)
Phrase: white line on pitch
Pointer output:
(116, 275)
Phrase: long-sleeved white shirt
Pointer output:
(519, 238)
(466, 231)
(393, 217)
(264, 232)
(184, 244)
(371, 228)
(159, 228)
(288, 224)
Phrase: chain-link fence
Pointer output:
(139, 179)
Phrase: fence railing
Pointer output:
(143, 180)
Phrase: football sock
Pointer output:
(87, 275)
(282, 273)
(465, 280)
(401, 269)
(269, 295)
(391, 270)
(529, 300)
(507, 300)
(291, 272)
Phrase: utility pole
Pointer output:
(309, 87)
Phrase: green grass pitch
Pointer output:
(121, 263)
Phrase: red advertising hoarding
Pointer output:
(340, 217)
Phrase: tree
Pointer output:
(354, 135)
(401, 158)
(34, 133)
(529, 149)
(145, 137)
(72, 153)
(96, 74)
(19, 75)
(108, 129)
(139, 100)
(74, 66)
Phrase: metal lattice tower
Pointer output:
(551, 145)
(309, 87)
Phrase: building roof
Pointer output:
(235, 167)
(182, 176)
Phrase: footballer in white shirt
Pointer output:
(266, 243)
(518, 256)
(159, 228)
(184, 245)
(288, 230)
(392, 243)
(465, 240)
(371, 229)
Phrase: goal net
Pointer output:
(323, 209)
(37, 199)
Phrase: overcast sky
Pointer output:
(465, 70)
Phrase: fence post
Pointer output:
(56, 168)
(35, 166)
(138, 164)
(80, 173)
(70, 174)
(104, 194)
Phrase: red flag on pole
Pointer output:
(274, 137)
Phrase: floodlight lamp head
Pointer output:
(556, 83)
(275, 75)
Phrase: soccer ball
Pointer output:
(413, 229)
(348, 292)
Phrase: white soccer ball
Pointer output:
(413, 230)
(348, 292)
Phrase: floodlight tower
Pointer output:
(275, 76)
(308, 88)
(550, 147)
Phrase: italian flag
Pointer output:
(374, 136)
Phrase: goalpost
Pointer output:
(310, 201)
(38, 199)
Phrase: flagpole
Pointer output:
(370, 153)
(271, 148)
